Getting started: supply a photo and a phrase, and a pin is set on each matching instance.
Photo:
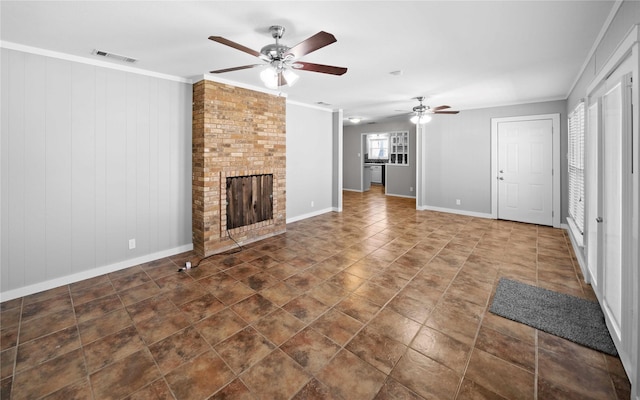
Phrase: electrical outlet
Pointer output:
(411, 188)
(457, 202)
(132, 244)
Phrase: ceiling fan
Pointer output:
(421, 113)
(282, 60)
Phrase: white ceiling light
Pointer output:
(270, 76)
(420, 119)
(355, 120)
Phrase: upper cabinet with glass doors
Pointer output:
(399, 148)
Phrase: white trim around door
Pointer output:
(555, 119)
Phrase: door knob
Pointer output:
(599, 219)
(500, 178)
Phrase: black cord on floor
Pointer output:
(228, 252)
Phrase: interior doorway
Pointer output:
(525, 166)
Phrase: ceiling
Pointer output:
(466, 54)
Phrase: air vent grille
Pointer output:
(114, 56)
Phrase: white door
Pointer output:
(525, 171)
(615, 165)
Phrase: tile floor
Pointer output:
(380, 301)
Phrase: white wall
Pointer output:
(91, 157)
(456, 157)
(310, 150)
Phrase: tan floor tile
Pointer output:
(253, 308)
(442, 348)
(200, 377)
(425, 376)
(220, 326)
(235, 390)
(275, 377)
(157, 390)
(125, 376)
(45, 325)
(7, 362)
(305, 308)
(507, 348)
(310, 349)
(278, 326)
(161, 326)
(149, 308)
(244, 349)
(562, 372)
(499, 376)
(260, 281)
(201, 307)
(395, 326)
(328, 293)
(178, 349)
(358, 307)
(47, 347)
(469, 390)
(49, 376)
(348, 377)
(111, 348)
(314, 390)
(337, 326)
(59, 303)
(377, 349)
(103, 326)
(280, 293)
(508, 327)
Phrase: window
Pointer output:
(576, 167)
(378, 147)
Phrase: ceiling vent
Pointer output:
(114, 56)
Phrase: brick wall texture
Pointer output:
(236, 132)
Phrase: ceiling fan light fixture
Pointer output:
(290, 76)
(420, 119)
(269, 77)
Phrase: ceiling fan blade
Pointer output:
(440, 108)
(220, 71)
(446, 112)
(325, 69)
(315, 42)
(236, 46)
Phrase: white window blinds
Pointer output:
(576, 166)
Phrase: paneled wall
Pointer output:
(310, 164)
(91, 158)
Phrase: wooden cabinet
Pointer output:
(399, 148)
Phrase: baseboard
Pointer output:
(352, 190)
(309, 215)
(400, 195)
(92, 273)
(455, 211)
(578, 249)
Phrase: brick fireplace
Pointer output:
(236, 132)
